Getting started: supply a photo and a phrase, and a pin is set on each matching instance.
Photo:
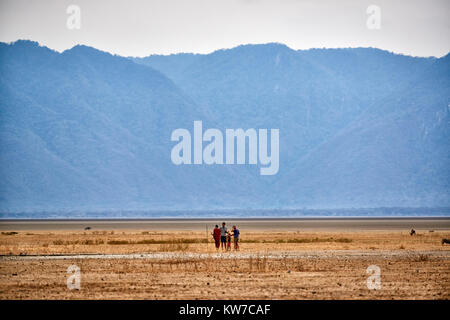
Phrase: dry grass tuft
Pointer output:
(174, 246)
(88, 242)
(420, 258)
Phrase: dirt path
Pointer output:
(336, 254)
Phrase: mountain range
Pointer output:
(359, 127)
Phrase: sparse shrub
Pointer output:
(118, 242)
(148, 241)
(421, 258)
(343, 240)
(317, 240)
(154, 241)
(175, 246)
(248, 241)
(299, 240)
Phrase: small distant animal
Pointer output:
(87, 228)
(445, 241)
(412, 232)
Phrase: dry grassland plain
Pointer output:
(277, 260)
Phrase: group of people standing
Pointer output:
(223, 237)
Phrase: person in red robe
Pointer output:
(216, 236)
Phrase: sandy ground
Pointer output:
(282, 260)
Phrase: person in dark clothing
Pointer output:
(236, 238)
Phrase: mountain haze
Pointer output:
(86, 129)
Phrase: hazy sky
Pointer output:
(140, 28)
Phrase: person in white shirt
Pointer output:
(223, 236)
